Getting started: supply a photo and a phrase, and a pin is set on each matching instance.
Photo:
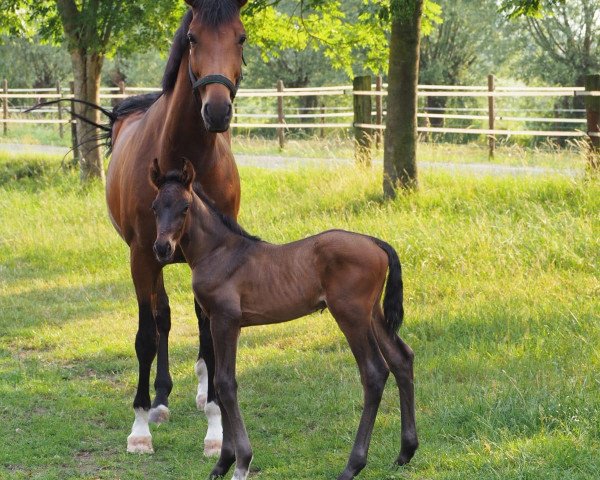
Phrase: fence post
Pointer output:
(280, 116)
(5, 106)
(491, 117)
(322, 120)
(122, 87)
(378, 111)
(592, 107)
(362, 115)
(60, 125)
(74, 142)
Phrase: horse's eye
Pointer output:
(191, 39)
(243, 39)
(185, 209)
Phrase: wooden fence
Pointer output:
(351, 112)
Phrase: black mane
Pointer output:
(176, 176)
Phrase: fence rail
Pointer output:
(372, 118)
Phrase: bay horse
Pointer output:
(190, 117)
(240, 281)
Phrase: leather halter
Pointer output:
(198, 83)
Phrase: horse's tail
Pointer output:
(393, 297)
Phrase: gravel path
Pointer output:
(281, 162)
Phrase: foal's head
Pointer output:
(170, 207)
(216, 37)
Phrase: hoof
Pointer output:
(201, 401)
(159, 414)
(212, 448)
(406, 455)
(139, 444)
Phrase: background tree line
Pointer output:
(310, 42)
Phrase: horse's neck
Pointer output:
(183, 133)
(205, 233)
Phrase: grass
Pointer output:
(502, 310)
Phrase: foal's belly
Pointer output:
(276, 305)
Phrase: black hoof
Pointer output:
(406, 454)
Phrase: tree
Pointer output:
(400, 146)
(91, 30)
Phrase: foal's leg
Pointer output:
(145, 272)
(163, 383)
(399, 358)
(226, 330)
(206, 398)
(355, 323)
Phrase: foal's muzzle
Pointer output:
(163, 251)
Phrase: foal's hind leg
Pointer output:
(145, 272)
(399, 358)
(355, 323)
(163, 383)
(206, 395)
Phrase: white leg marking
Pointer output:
(159, 414)
(214, 435)
(202, 374)
(240, 474)
(140, 440)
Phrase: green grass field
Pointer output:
(502, 306)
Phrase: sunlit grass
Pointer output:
(502, 299)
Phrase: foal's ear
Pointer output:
(187, 174)
(190, 3)
(155, 176)
(242, 3)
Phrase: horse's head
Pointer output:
(171, 207)
(216, 37)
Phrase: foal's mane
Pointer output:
(178, 177)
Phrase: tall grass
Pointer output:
(502, 310)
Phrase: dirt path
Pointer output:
(282, 162)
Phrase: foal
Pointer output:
(240, 281)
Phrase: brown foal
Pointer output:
(240, 281)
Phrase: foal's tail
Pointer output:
(392, 300)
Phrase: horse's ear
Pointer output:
(242, 3)
(155, 175)
(188, 173)
(190, 3)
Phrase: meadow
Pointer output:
(502, 301)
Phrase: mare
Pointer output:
(191, 117)
(240, 281)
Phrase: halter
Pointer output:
(198, 83)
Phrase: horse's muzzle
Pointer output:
(217, 116)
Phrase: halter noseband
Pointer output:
(198, 83)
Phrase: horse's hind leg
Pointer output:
(206, 395)
(163, 383)
(356, 325)
(399, 358)
(145, 272)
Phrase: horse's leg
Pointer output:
(399, 358)
(163, 383)
(145, 272)
(226, 330)
(355, 323)
(206, 397)
(227, 456)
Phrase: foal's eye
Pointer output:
(185, 209)
(191, 39)
(243, 39)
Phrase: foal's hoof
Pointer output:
(159, 414)
(406, 454)
(201, 401)
(212, 448)
(139, 444)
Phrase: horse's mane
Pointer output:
(177, 176)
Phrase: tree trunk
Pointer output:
(86, 69)
(400, 148)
